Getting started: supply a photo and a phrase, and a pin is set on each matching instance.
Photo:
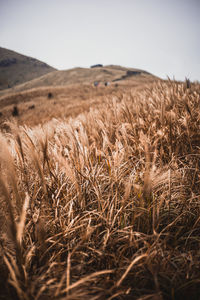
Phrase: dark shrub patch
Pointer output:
(50, 95)
(31, 106)
(15, 111)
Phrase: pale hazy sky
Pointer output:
(159, 36)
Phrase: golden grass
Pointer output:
(105, 205)
(35, 107)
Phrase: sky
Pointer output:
(159, 36)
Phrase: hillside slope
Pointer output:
(40, 105)
(104, 74)
(16, 68)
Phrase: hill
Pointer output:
(104, 74)
(16, 68)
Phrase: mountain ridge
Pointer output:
(16, 68)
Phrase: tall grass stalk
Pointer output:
(105, 205)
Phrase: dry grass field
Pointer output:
(41, 104)
(102, 202)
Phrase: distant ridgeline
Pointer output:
(18, 71)
(16, 68)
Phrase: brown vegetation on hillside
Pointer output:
(87, 76)
(105, 205)
(16, 68)
(57, 102)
